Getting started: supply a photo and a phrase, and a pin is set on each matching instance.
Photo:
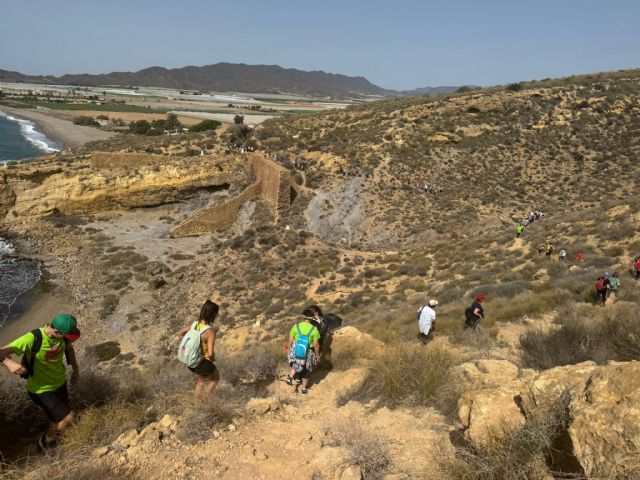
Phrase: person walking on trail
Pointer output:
(563, 255)
(475, 312)
(303, 351)
(319, 322)
(519, 230)
(42, 352)
(602, 287)
(197, 349)
(614, 284)
(636, 267)
(427, 320)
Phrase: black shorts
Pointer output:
(205, 368)
(55, 404)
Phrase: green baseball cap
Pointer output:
(66, 324)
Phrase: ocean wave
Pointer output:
(6, 248)
(33, 136)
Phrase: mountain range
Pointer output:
(229, 77)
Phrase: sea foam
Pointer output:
(33, 136)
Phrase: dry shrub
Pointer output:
(365, 449)
(257, 364)
(58, 466)
(408, 374)
(210, 413)
(526, 304)
(531, 451)
(586, 333)
(98, 426)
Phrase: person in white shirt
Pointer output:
(427, 320)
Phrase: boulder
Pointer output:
(485, 373)
(489, 413)
(548, 388)
(352, 472)
(260, 406)
(605, 422)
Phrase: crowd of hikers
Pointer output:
(529, 219)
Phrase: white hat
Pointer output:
(433, 302)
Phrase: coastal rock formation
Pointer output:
(129, 181)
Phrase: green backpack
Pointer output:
(189, 351)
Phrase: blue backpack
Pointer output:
(301, 348)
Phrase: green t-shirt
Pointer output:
(305, 328)
(48, 371)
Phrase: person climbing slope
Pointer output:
(197, 349)
(427, 320)
(602, 287)
(614, 286)
(303, 351)
(42, 352)
(475, 312)
(519, 230)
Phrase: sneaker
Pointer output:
(43, 443)
(304, 391)
(298, 381)
(289, 380)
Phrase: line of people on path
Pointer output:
(426, 316)
(533, 216)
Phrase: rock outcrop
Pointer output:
(81, 186)
(602, 429)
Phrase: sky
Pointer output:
(394, 44)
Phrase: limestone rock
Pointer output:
(605, 422)
(488, 413)
(260, 406)
(485, 373)
(99, 452)
(127, 439)
(352, 472)
(549, 386)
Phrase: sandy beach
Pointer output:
(59, 129)
(40, 310)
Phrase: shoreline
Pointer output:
(61, 131)
(34, 310)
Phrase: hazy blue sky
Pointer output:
(395, 44)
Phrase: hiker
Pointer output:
(614, 284)
(42, 351)
(319, 323)
(427, 320)
(303, 351)
(475, 312)
(602, 287)
(636, 267)
(579, 256)
(197, 349)
(563, 255)
(549, 250)
(519, 230)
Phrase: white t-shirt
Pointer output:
(427, 317)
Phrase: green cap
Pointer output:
(66, 324)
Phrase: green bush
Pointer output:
(86, 121)
(204, 126)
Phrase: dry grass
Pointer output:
(365, 449)
(406, 374)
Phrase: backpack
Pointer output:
(419, 312)
(28, 361)
(600, 283)
(469, 317)
(301, 348)
(189, 351)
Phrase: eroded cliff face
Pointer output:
(83, 186)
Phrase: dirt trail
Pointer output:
(302, 437)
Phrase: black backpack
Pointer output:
(29, 358)
(469, 317)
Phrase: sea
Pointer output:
(19, 140)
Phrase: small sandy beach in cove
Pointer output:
(59, 129)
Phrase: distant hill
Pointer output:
(230, 77)
(222, 77)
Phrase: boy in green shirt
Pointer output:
(46, 377)
(301, 367)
